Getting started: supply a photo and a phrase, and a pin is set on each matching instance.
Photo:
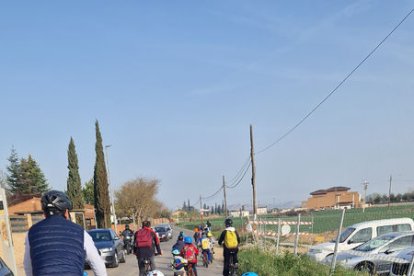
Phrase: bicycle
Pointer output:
(147, 265)
(190, 271)
(205, 259)
(232, 266)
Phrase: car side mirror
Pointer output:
(116, 238)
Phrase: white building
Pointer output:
(239, 213)
(262, 210)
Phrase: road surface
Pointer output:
(130, 268)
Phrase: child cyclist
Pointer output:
(205, 247)
(190, 253)
(178, 263)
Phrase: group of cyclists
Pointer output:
(57, 233)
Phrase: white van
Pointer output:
(359, 233)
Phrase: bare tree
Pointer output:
(136, 199)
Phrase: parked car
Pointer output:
(402, 263)
(374, 255)
(109, 245)
(359, 233)
(4, 269)
(164, 231)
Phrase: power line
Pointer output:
(214, 194)
(240, 172)
(236, 179)
(238, 182)
(337, 87)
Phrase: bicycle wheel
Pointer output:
(231, 268)
(190, 271)
(205, 259)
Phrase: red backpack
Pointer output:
(189, 254)
(143, 238)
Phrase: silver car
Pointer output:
(109, 245)
(402, 263)
(375, 256)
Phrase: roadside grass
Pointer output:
(268, 264)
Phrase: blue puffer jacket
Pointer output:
(56, 247)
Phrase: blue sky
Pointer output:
(175, 85)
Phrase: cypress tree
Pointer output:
(101, 186)
(74, 187)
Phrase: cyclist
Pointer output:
(180, 242)
(145, 241)
(178, 263)
(205, 247)
(190, 253)
(56, 233)
(212, 242)
(127, 235)
(230, 240)
(197, 234)
(127, 232)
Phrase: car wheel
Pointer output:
(365, 267)
(122, 259)
(115, 263)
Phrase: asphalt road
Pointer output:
(131, 266)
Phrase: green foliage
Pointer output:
(25, 176)
(88, 192)
(32, 177)
(328, 220)
(13, 170)
(287, 264)
(74, 191)
(101, 185)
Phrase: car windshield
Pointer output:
(160, 229)
(98, 236)
(374, 243)
(345, 234)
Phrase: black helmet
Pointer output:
(126, 226)
(228, 222)
(55, 202)
(146, 223)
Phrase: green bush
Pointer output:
(287, 264)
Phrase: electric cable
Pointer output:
(337, 87)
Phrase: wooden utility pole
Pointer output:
(253, 173)
(389, 193)
(225, 197)
(201, 212)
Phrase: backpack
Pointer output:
(178, 264)
(205, 244)
(143, 238)
(189, 254)
(230, 239)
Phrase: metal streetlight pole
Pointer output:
(110, 187)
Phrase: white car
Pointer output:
(376, 255)
(360, 233)
(402, 264)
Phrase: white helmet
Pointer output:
(155, 273)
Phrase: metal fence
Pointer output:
(316, 234)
